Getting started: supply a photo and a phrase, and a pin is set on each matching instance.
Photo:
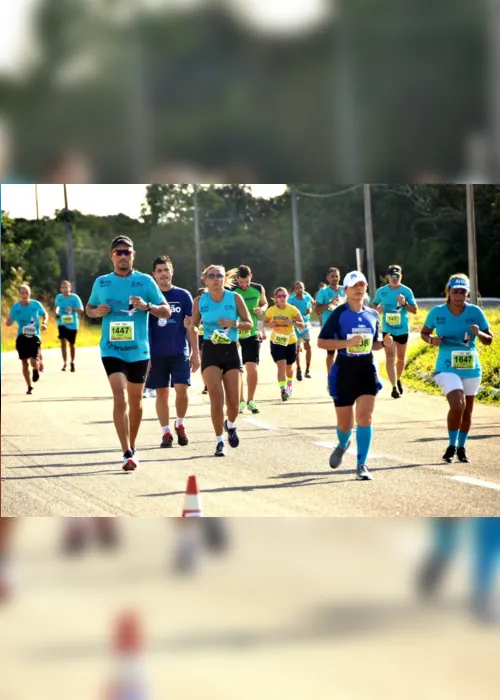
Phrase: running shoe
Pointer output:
(400, 387)
(30, 390)
(63, 368)
(338, 455)
(242, 406)
(362, 473)
(232, 435)
(289, 389)
(130, 462)
(152, 393)
(145, 393)
(298, 376)
(432, 574)
(72, 367)
(253, 407)
(462, 455)
(36, 375)
(395, 393)
(182, 438)
(219, 450)
(450, 453)
(308, 374)
(205, 391)
(167, 439)
(284, 394)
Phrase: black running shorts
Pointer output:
(400, 339)
(68, 334)
(351, 378)
(225, 357)
(250, 349)
(134, 371)
(27, 346)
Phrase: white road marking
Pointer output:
(261, 424)
(476, 482)
(330, 446)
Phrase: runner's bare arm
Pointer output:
(263, 303)
(9, 321)
(426, 335)
(334, 344)
(246, 323)
(97, 311)
(299, 321)
(486, 337)
(160, 310)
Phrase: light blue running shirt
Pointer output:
(395, 318)
(211, 311)
(325, 295)
(302, 305)
(73, 301)
(125, 330)
(457, 353)
(27, 316)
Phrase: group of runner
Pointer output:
(154, 336)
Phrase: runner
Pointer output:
(7, 526)
(218, 310)
(304, 303)
(327, 300)
(200, 291)
(122, 299)
(458, 370)
(174, 353)
(281, 318)
(353, 330)
(27, 313)
(394, 301)
(254, 296)
(68, 309)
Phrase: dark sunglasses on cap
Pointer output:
(215, 276)
(120, 251)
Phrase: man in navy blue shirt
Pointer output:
(353, 330)
(174, 353)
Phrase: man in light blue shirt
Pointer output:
(304, 303)
(395, 301)
(123, 300)
(27, 313)
(327, 300)
(69, 307)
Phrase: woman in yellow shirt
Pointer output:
(281, 318)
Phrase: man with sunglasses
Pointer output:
(123, 299)
(395, 301)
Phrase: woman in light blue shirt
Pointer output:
(458, 370)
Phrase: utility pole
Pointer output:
(197, 247)
(70, 254)
(296, 234)
(471, 242)
(36, 202)
(370, 252)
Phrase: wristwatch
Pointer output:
(236, 324)
(149, 306)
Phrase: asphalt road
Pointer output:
(60, 454)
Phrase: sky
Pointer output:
(19, 200)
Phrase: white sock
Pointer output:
(230, 425)
(166, 428)
(220, 438)
(179, 421)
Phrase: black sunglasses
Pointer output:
(118, 252)
(215, 276)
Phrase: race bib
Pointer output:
(121, 330)
(220, 338)
(393, 319)
(463, 359)
(281, 339)
(29, 331)
(244, 334)
(364, 348)
(67, 318)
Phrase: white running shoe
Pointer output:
(130, 464)
(152, 393)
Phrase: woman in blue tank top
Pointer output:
(222, 313)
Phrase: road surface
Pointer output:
(60, 454)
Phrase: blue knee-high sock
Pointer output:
(364, 440)
(343, 438)
(462, 439)
(453, 437)
(445, 535)
(487, 554)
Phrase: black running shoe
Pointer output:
(395, 393)
(299, 375)
(182, 438)
(461, 455)
(308, 374)
(64, 368)
(400, 387)
(432, 574)
(72, 367)
(284, 394)
(219, 450)
(450, 453)
(167, 439)
(30, 390)
(36, 375)
(232, 435)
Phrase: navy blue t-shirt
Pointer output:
(343, 323)
(167, 336)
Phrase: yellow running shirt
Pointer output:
(284, 323)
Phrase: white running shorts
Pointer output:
(448, 381)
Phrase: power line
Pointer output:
(330, 194)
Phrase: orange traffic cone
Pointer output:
(192, 504)
(129, 676)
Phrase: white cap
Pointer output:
(353, 278)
